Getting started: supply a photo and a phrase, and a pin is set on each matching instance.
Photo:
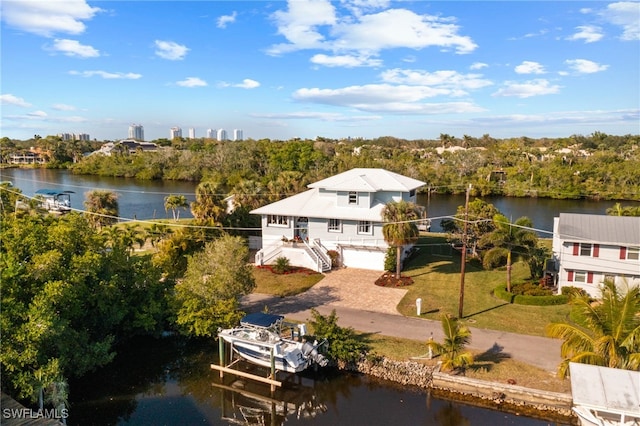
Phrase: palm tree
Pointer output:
(616, 210)
(452, 349)
(400, 227)
(507, 238)
(610, 336)
(102, 207)
(174, 203)
(210, 205)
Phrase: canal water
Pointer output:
(144, 199)
(170, 382)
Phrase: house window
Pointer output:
(633, 253)
(335, 225)
(364, 227)
(277, 220)
(412, 193)
(580, 277)
(586, 249)
(353, 197)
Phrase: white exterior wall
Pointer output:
(606, 264)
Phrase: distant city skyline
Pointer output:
(309, 68)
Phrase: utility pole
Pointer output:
(463, 259)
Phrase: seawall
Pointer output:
(511, 398)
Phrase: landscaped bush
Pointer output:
(521, 299)
(281, 265)
(530, 289)
(335, 258)
(390, 259)
(573, 292)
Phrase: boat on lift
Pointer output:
(55, 201)
(266, 340)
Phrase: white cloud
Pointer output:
(528, 89)
(107, 75)
(401, 99)
(37, 114)
(226, 19)
(47, 18)
(584, 66)
(323, 116)
(588, 33)
(478, 66)
(529, 67)
(396, 28)
(63, 107)
(346, 61)
(247, 83)
(171, 50)
(192, 82)
(367, 34)
(450, 82)
(9, 99)
(625, 15)
(298, 24)
(74, 48)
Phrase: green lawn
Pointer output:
(435, 269)
(284, 284)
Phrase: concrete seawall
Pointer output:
(511, 398)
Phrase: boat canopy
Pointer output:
(52, 192)
(606, 389)
(260, 319)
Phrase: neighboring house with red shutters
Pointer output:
(588, 248)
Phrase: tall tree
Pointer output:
(610, 334)
(210, 205)
(400, 228)
(102, 207)
(175, 203)
(480, 223)
(208, 296)
(506, 239)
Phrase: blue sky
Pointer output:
(308, 68)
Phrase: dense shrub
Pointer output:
(281, 265)
(335, 258)
(521, 299)
(573, 292)
(344, 344)
(530, 289)
(390, 259)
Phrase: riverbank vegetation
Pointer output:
(597, 166)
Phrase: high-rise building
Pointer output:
(136, 132)
(192, 133)
(211, 133)
(237, 134)
(175, 132)
(222, 135)
(82, 137)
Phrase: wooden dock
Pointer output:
(12, 413)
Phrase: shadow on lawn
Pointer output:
(486, 310)
(492, 356)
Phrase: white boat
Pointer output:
(605, 396)
(55, 201)
(262, 340)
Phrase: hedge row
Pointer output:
(520, 299)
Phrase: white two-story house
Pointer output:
(341, 213)
(588, 249)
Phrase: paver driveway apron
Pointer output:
(355, 288)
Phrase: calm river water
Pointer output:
(141, 199)
(169, 382)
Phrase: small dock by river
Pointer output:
(15, 414)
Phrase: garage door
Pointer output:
(363, 258)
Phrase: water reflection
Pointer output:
(170, 382)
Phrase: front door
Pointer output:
(302, 228)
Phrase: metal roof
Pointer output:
(606, 389)
(602, 229)
(368, 180)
